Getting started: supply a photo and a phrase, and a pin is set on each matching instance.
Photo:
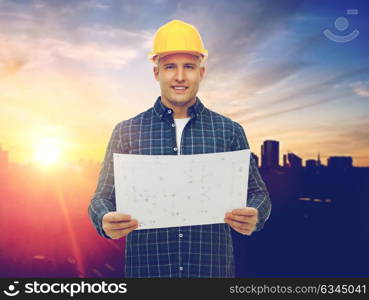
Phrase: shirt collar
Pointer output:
(193, 111)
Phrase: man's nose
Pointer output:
(180, 76)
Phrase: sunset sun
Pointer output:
(47, 152)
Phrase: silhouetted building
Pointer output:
(270, 154)
(256, 158)
(318, 164)
(285, 162)
(311, 163)
(294, 160)
(340, 162)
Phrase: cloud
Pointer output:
(349, 140)
(101, 47)
(18, 15)
(267, 77)
(361, 88)
(49, 52)
(90, 53)
(291, 109)
(13, 56)
(102, 6)
(235, 31)
(136, 39)
(303, 93)
(43, 34)
(252, 47)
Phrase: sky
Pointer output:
(71, 70)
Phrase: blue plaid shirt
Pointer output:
(187, 251)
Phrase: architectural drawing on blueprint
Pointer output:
(167, 191)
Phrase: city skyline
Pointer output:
(4, 158)
(270, 158)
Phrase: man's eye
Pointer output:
(189, 67)
(168, 67)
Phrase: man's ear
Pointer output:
(156, 72)
(202, 72)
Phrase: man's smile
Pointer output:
(179, 89)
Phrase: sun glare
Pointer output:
(47, 152)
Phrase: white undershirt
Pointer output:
(180, 124)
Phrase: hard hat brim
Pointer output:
(154, 56)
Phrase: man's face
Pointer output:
(179, 76)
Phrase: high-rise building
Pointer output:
(285, 162)
(294, 160)
(318, 161)
(340, 162)
(270, 154)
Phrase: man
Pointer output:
(178, 124)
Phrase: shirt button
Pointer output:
(169, 111)
(173, 125)
(180, 235)
(181, 268)
(175, 148)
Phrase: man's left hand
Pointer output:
(243, 220)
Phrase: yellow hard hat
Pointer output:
(177, 36)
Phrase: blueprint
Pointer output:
(171, 190)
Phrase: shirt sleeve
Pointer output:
(257, 194)
(103, 200)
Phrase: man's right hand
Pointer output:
(117, 225)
